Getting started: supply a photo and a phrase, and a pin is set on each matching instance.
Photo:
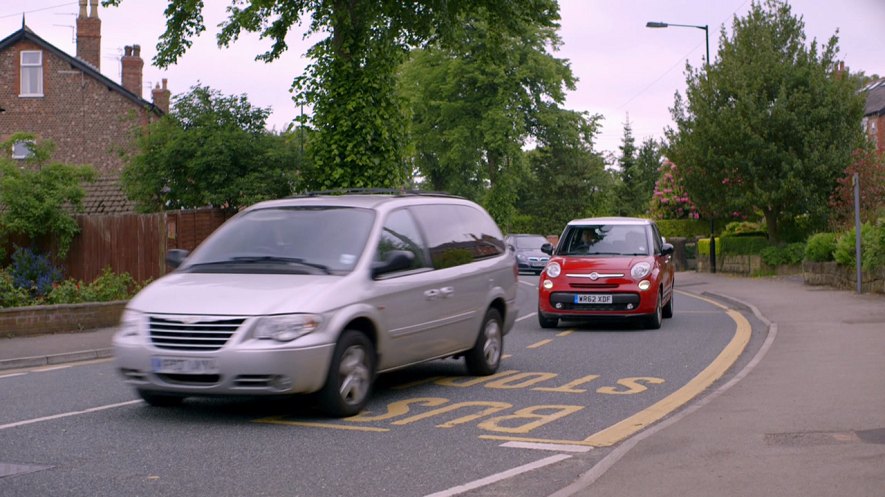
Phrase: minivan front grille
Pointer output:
(198, 336)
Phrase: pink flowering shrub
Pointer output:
(670, 200)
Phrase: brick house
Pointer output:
(874, 113)
(66, 99)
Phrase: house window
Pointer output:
(31, 73)
(22, 149)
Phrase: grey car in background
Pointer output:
(529, 256)
(319, 294)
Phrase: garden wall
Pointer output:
(46, 319)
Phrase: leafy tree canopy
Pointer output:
(359, 121)
(769, 127)
(40, 199)
(210, 150)
(474, 105)
(568, 179)
(638, 172)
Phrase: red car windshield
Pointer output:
(607, 239)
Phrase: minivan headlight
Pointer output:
(287, 327)
(132, 323)
(640, 270)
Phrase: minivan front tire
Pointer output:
(351, 373)
(485, 356)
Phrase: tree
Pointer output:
(210, 150)
(869, 165)
(771, 126)
(475, 104)
(359, 121)
(626, 165)
(568, 180)
(638, 170)
(645, 174)
(39, 200)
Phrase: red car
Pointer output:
(607, 267)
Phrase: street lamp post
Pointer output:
(653, 24)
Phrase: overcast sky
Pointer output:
(623, 68)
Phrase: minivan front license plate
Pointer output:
(593, 298)
(184, 365)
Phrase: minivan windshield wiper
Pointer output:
(265, 259)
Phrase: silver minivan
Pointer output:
(320, 293)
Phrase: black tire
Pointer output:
(351, 373)
(160, 400)
(653, 321)
(547, 322)
(667, 311)
(485, 356)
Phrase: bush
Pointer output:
(786, 255)
(10, 295)
(66, 292)
(820, 247)
(33, 272)
(873, 255)
(745, 228)
(688, 228)
(872, 243)
(110, 286)
(743, 245)
(106, 288)
(704, 247)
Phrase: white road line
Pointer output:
(51, 368)
(551, 447)
(66, 414)
(529, 283)
(460, 489)
(527, 316)
(11, 375)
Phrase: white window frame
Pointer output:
(21, 151)
(29, 71)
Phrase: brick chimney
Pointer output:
(132, 66)
(161, 96)
(89, 34)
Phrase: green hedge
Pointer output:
(688, 228)
(734, 245)
(786, 255)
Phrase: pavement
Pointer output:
(805, 417)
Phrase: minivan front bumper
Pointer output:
(241, 370)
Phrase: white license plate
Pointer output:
(184, 365)
(593, 299)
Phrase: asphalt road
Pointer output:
(560, 401)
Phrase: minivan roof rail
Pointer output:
(374, 191)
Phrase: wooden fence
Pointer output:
(136, 243)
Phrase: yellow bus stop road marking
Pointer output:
(637, 422)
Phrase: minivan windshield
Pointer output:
(291, 240)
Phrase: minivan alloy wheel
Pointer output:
(349, 382)
(485, 356)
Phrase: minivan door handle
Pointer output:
(431, 294)
(447, 291)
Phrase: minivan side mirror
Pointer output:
(547, 248)
(395, 260)
(174, 257)
(667, 249)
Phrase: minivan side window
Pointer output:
(400, 232)
(458, 234)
